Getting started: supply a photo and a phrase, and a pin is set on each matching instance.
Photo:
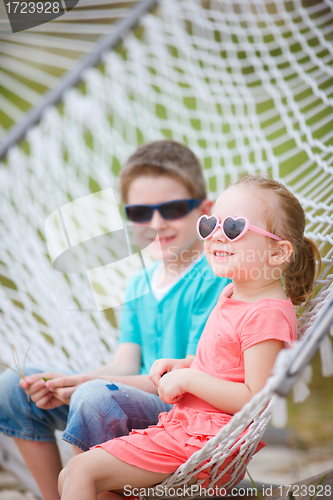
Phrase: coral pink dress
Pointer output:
(232, 327)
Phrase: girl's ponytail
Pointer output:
(302, 271)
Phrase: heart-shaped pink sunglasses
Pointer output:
(232, 228)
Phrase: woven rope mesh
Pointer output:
(248, 86)
(34, 60)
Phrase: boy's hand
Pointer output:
(165, 365)
(173, 385)
(63, 386)
(35, 387)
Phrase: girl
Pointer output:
(254, 237)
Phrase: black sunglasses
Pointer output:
(170, 211)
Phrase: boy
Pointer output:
(162, 187)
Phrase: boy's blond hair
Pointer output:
(168, 158)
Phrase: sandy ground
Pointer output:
(282, 465)
(11, 490)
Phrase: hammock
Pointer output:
(248, 86)
(33, 61)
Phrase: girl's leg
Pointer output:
(102, 496)
(97, 471)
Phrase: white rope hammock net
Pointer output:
(33, 61)
(248, 86)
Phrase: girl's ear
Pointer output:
(206, 207)
(281, 253)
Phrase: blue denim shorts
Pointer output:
(99, 410)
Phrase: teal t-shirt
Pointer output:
(171, 327)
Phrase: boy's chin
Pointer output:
(161, 254)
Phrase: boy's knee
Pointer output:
(84, 392)
(96, 414)
(90, 388)
(91, 394)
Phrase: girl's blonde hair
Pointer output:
(288, 222)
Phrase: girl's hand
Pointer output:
(172, 386)
(166, 365)
(35, 387)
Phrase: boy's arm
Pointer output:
(63, 387)
(144, 382)
(48, 394)
(206, 296)
(228, 397)
(126, 361)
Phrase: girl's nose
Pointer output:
(219, 236)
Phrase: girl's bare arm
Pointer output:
(226, 396)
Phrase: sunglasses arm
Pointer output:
(263, 232)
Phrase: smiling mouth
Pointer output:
(166, 239)
(222, 254)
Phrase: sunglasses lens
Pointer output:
(139, 213)
(206, 226)
(175, 209)
(233, 228)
